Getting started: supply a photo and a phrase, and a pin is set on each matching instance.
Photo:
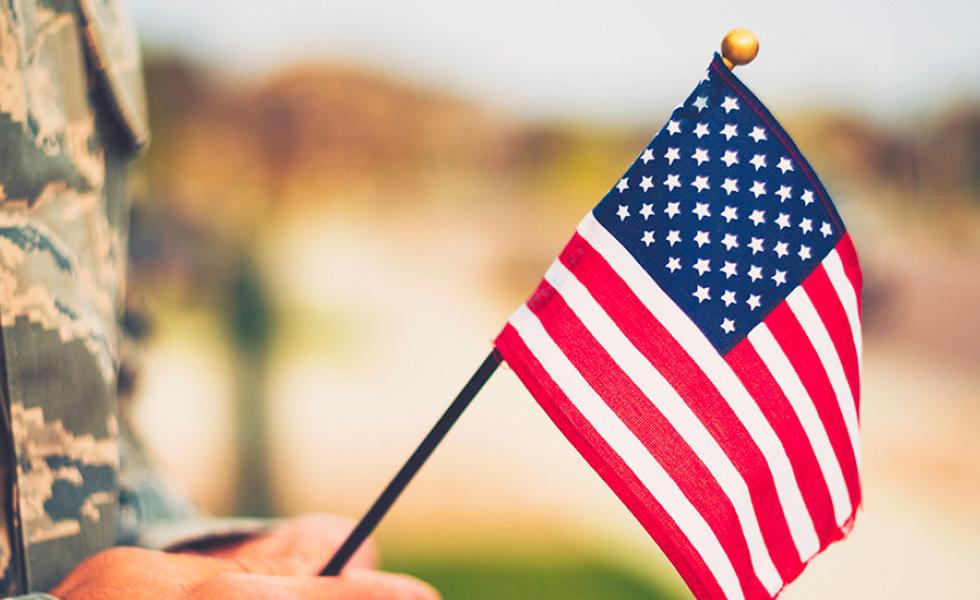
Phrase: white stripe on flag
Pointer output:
(666, 399)
(848, 297)
(802, 306)
(789, 381)
(687, 334)
(628, 447)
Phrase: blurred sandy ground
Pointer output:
(394, 229)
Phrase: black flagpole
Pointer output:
(380, 507)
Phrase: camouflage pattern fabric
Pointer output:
(71, 117)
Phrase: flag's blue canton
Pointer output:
(722, 210)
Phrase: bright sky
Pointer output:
(601, 59)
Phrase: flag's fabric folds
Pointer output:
(698, 341)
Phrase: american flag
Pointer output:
(698, 341)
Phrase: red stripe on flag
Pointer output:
(649, 425)
(754, 374)
(649, 336)
(796, 345)
(828, 304)
(610, 467)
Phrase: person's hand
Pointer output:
(281, 564)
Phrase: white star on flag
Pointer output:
(700, 155)
(701, 210)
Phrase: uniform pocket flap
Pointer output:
(115, 54)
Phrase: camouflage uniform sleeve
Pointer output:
(62, 260)
(73, 481)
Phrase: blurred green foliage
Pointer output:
(502, 576)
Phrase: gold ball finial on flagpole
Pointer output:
(739, 47)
